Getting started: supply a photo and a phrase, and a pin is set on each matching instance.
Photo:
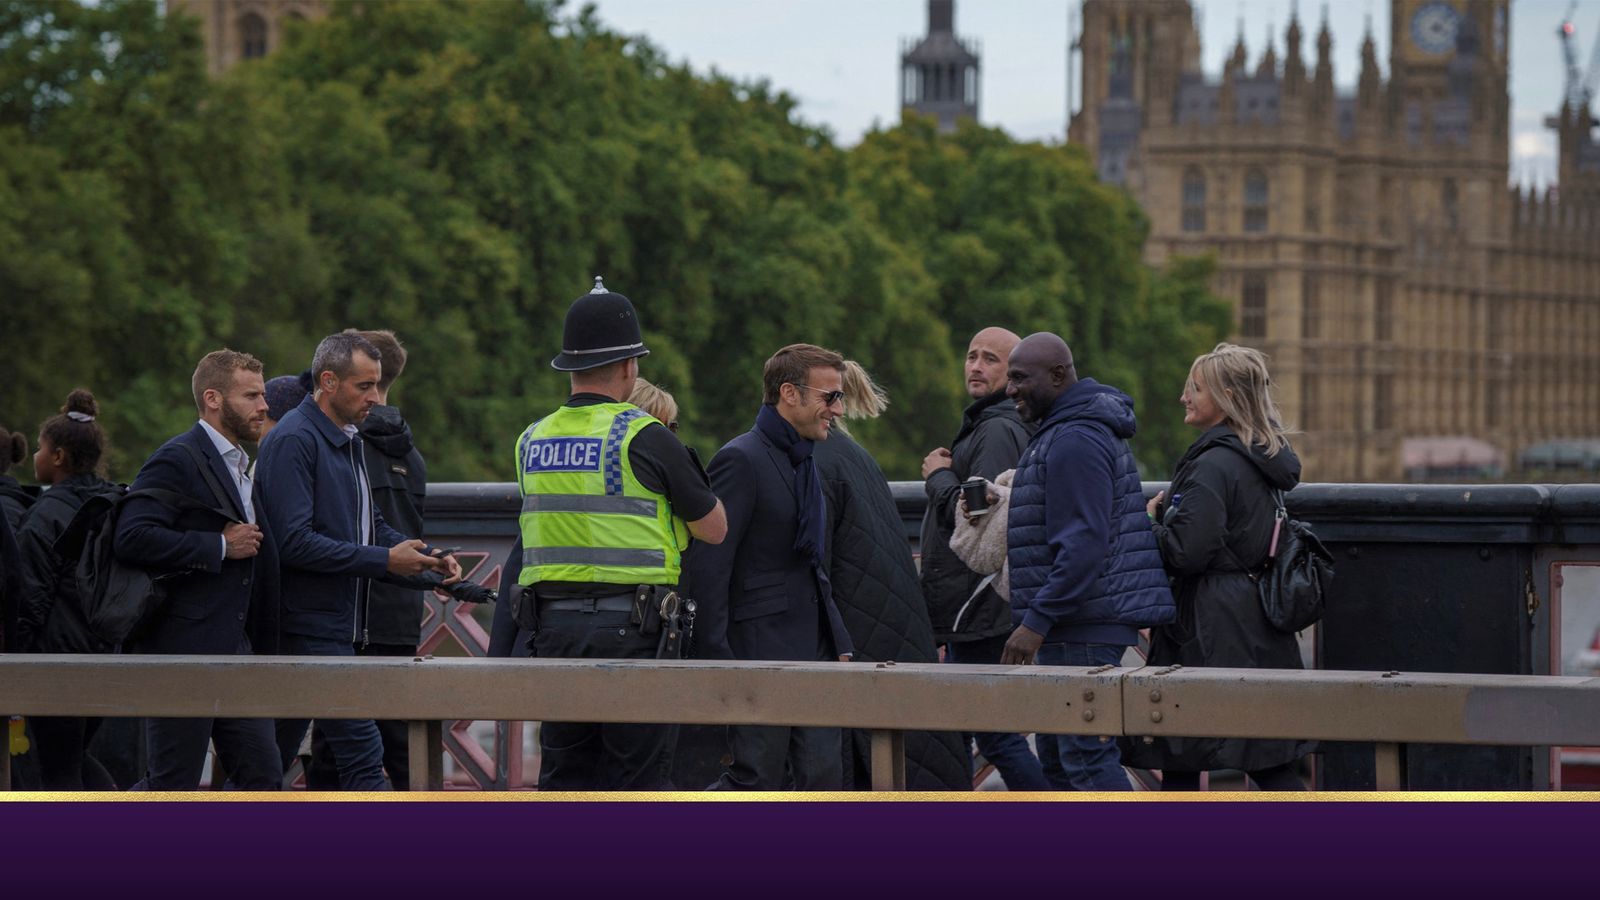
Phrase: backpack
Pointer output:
(116, 597)
(1294, 584)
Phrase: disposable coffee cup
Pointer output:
(975, 491)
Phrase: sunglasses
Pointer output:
(829, 398)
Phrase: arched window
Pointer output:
(252, 36)
(1255, 201)
(1194, 200)
(1253, 307)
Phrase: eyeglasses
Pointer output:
(829, 398)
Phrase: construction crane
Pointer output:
(1580, 86)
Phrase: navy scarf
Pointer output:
(808, 534)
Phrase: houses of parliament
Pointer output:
(1414, 305)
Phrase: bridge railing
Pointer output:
(1391, 709)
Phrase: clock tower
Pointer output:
(1428, 37)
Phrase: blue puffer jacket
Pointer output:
(1084, 563)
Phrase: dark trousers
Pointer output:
(1008, 752)
(323, 774)
(785, 757)
(600, 756)
(782, 757)
(1278, 778)
(1081, 762)
(247, 752)
(175, 751)
(356, 745)
(65, 763)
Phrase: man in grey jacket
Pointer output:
(969, 618)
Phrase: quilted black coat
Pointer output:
(876, 587)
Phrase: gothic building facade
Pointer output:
(1409, 299)
(237, 30)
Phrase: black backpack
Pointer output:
(116, 597)
(1294, 584)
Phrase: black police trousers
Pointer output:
(590, 756)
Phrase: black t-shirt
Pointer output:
(661, 463)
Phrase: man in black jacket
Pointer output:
(969, 617)
(398, 478)
(227, 563)
(764, 591)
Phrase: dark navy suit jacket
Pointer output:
(208, 607)
(757, 597)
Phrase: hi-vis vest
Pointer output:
(585, 517)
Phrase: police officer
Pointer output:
(609, 501)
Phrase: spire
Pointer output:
(1322, 81)
(1268, 67)
(1324, 46)
(1294, 66)
(1371, 80)
(1237, 61)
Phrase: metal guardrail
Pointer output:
(1389, 708)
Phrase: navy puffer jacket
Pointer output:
(1084, 563)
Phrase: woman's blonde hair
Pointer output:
(654, 400)
(1237, 380)
(863, 398)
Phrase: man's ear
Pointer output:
(212, 394)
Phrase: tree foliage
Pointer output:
(460, 171)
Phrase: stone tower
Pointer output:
(1410, 302)
(939, 74)
(237, 30)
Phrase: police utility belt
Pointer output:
(656, 609)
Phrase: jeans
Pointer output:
(1074, 762)
(1009, 753)
(323, 773)
(356, 745)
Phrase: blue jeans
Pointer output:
(1009, 753)
(1074, 762)
(356, 744)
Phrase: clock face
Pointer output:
(1434, 26)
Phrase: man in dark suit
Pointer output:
(763, 593)
(227, 563)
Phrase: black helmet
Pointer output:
(601, 328)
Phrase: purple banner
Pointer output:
(303, 848)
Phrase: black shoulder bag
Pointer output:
(1294, 584)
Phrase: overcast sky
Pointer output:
(841, 57)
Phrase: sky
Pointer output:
(841, 58)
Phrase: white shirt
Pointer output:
(363, 489)
(237, 462)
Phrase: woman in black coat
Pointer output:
(1214, 526)
(876, 587)
(50, 620)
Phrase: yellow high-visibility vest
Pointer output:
(585, 517)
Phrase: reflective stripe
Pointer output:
(614, 440)
(584, 503)
(592, 556)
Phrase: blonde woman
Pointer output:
(1214, 525)
(656, 401)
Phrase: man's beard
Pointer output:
(241, 426)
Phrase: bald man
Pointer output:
(1085, 571)
(970, 619)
